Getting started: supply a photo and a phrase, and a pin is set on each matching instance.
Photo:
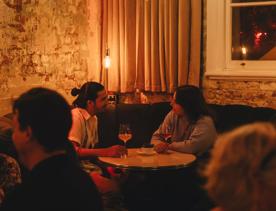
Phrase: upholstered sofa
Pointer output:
(144, 119)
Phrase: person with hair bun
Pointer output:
(91, 99)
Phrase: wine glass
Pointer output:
(167, 135)
(125, 134)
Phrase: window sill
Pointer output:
(253, 75)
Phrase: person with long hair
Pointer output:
(189, 124)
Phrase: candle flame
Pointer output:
(244, 50)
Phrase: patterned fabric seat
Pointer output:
(9, 174)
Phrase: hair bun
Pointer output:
(75, 91)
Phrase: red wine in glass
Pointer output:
(167, 135)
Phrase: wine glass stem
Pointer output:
(126, 149)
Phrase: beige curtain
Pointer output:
(154, 44)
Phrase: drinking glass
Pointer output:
(167, 135)
(125, 134)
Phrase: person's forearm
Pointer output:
(155, 141)
(184, 146)
(157, 138)
(90, 153)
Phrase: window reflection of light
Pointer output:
(244, 50)
(258, 37)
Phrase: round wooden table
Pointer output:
(155, 161)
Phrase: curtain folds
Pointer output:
(154, 44)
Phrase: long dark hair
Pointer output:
(88, 91)
(192, 100)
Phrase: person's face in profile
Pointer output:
(177, 109)
(101, 101)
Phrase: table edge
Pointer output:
(149, 168)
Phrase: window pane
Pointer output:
(254, 33)
(242, 1)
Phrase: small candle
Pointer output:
(244, 52)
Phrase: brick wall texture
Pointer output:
(50, 43)
(56, 44)
(254, 93)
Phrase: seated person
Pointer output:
(189, 123)
(91, 99)
(42, 120)
(9, 175)
(242, 169)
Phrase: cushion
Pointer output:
(138, 117)
(6, 144)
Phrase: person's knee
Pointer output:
(104, 184)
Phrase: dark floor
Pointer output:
(165, 190)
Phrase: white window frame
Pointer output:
(218, 60)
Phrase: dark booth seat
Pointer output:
(144, 119)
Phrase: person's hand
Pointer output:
(161, 147)
(116, 151)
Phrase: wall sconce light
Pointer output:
(107, 61)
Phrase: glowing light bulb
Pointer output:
(107, 60)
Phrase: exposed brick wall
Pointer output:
(254, 93)
(52, 43)
(56, 43)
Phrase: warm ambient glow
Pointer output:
(244, 51)
(107, 61)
